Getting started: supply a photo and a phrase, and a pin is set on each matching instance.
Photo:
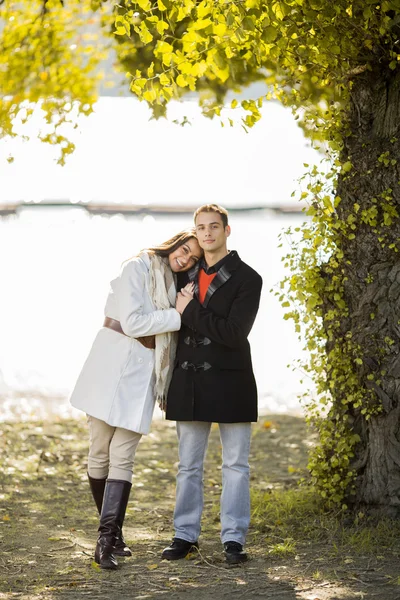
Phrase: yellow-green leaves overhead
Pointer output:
(43, 59)
(310, 47)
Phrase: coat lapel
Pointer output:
(194, 277)
(223, 275)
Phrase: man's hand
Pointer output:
(184, 297)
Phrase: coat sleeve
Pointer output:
(233, 330)
(129, 293)
(182, 280)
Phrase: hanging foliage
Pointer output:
(47, 56)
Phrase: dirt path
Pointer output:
(48, 525)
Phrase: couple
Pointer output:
(137, 357)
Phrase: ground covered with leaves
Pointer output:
(48, 524)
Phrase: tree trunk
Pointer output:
(372, 290)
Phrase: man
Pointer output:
(213, 381)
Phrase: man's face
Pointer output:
(211, 232)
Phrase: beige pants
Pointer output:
(111, 450)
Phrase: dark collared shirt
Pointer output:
(215, 268)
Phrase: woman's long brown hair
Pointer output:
(170, 245)
(173, 243)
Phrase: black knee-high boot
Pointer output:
(97, 488)
(115, 500)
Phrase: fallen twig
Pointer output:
(360, 580)
(63, 548)
(316, 585)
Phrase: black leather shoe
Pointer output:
(234, 553)
(179, 549)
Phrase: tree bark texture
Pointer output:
(372, 289)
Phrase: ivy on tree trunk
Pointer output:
(370, 192)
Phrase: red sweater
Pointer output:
(204, 282)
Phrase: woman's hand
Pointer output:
(184, 297)
(188, 290)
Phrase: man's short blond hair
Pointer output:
(207, 208)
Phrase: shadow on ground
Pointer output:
(48, 524)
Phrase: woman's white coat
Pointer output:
(117, 380)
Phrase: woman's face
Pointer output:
(186, 256)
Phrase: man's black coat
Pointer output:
(213, 377)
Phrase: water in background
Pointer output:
(55, 270)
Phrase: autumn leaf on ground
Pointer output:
(269, 424)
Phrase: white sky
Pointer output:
(122, 156)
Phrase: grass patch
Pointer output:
(286, 548)
(294, 518)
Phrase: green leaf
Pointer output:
(164, 79)
(145, 36)
(144, 4)
(202, 24)
(163, 47)
(161, 26)
(270, 34)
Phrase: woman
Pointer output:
(128, 368)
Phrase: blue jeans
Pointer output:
(235, 497)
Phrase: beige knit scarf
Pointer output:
(163, 294)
